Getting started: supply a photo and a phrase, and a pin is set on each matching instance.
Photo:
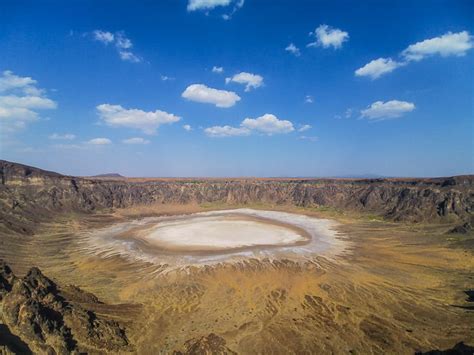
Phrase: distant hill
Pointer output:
(360, 176)
(109, 175)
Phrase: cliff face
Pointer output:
(29, 195)
(39, 317)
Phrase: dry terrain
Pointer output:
(402, 283)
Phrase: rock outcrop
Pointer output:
(37, 318)
(29, 195)
(461, 229)
(211, 344)
(458, 349)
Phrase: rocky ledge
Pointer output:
(37, 317)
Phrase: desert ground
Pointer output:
(223, 266)
(391, 288)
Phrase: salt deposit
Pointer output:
(220, 233)
(216, 236)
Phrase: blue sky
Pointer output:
(234, 88)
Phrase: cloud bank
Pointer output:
(20, 101)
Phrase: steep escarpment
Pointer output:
(37, 316)
(29, 195)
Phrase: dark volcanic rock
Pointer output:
(461, 229)
(458, 349)
(211, 344)
(29, 195)
(6, 279)
(10, 343)
(470, 295)
(34, 311)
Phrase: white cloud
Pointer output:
(308, 99)
(103, 36)
(99, 141)
(136, 140)
(13, 119)
(328, 37)
(380, 110)
(129, 57)
(251, 81)
(187, 127)
(268, 124)
(237, 6)
(207, 5)
(10, 81)
(146, 121)
(34, 91)
(122, 44)
(202, 93)
(21, 101)
(378, 67)
(347, 114)
(66, 136)
(304, 128)
(449, 44)
(28, 102)
(166, 78)
(309, 138)
(293, 49)
(194, 5)
(226, 131)
(217, 70)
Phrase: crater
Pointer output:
(221, 233)
(216, 236)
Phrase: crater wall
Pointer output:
(30, 195)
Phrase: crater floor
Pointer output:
(211, 236)
(220, 233)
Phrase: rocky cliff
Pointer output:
(36, 316)
(29, 195)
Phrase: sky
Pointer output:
(178, 88)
